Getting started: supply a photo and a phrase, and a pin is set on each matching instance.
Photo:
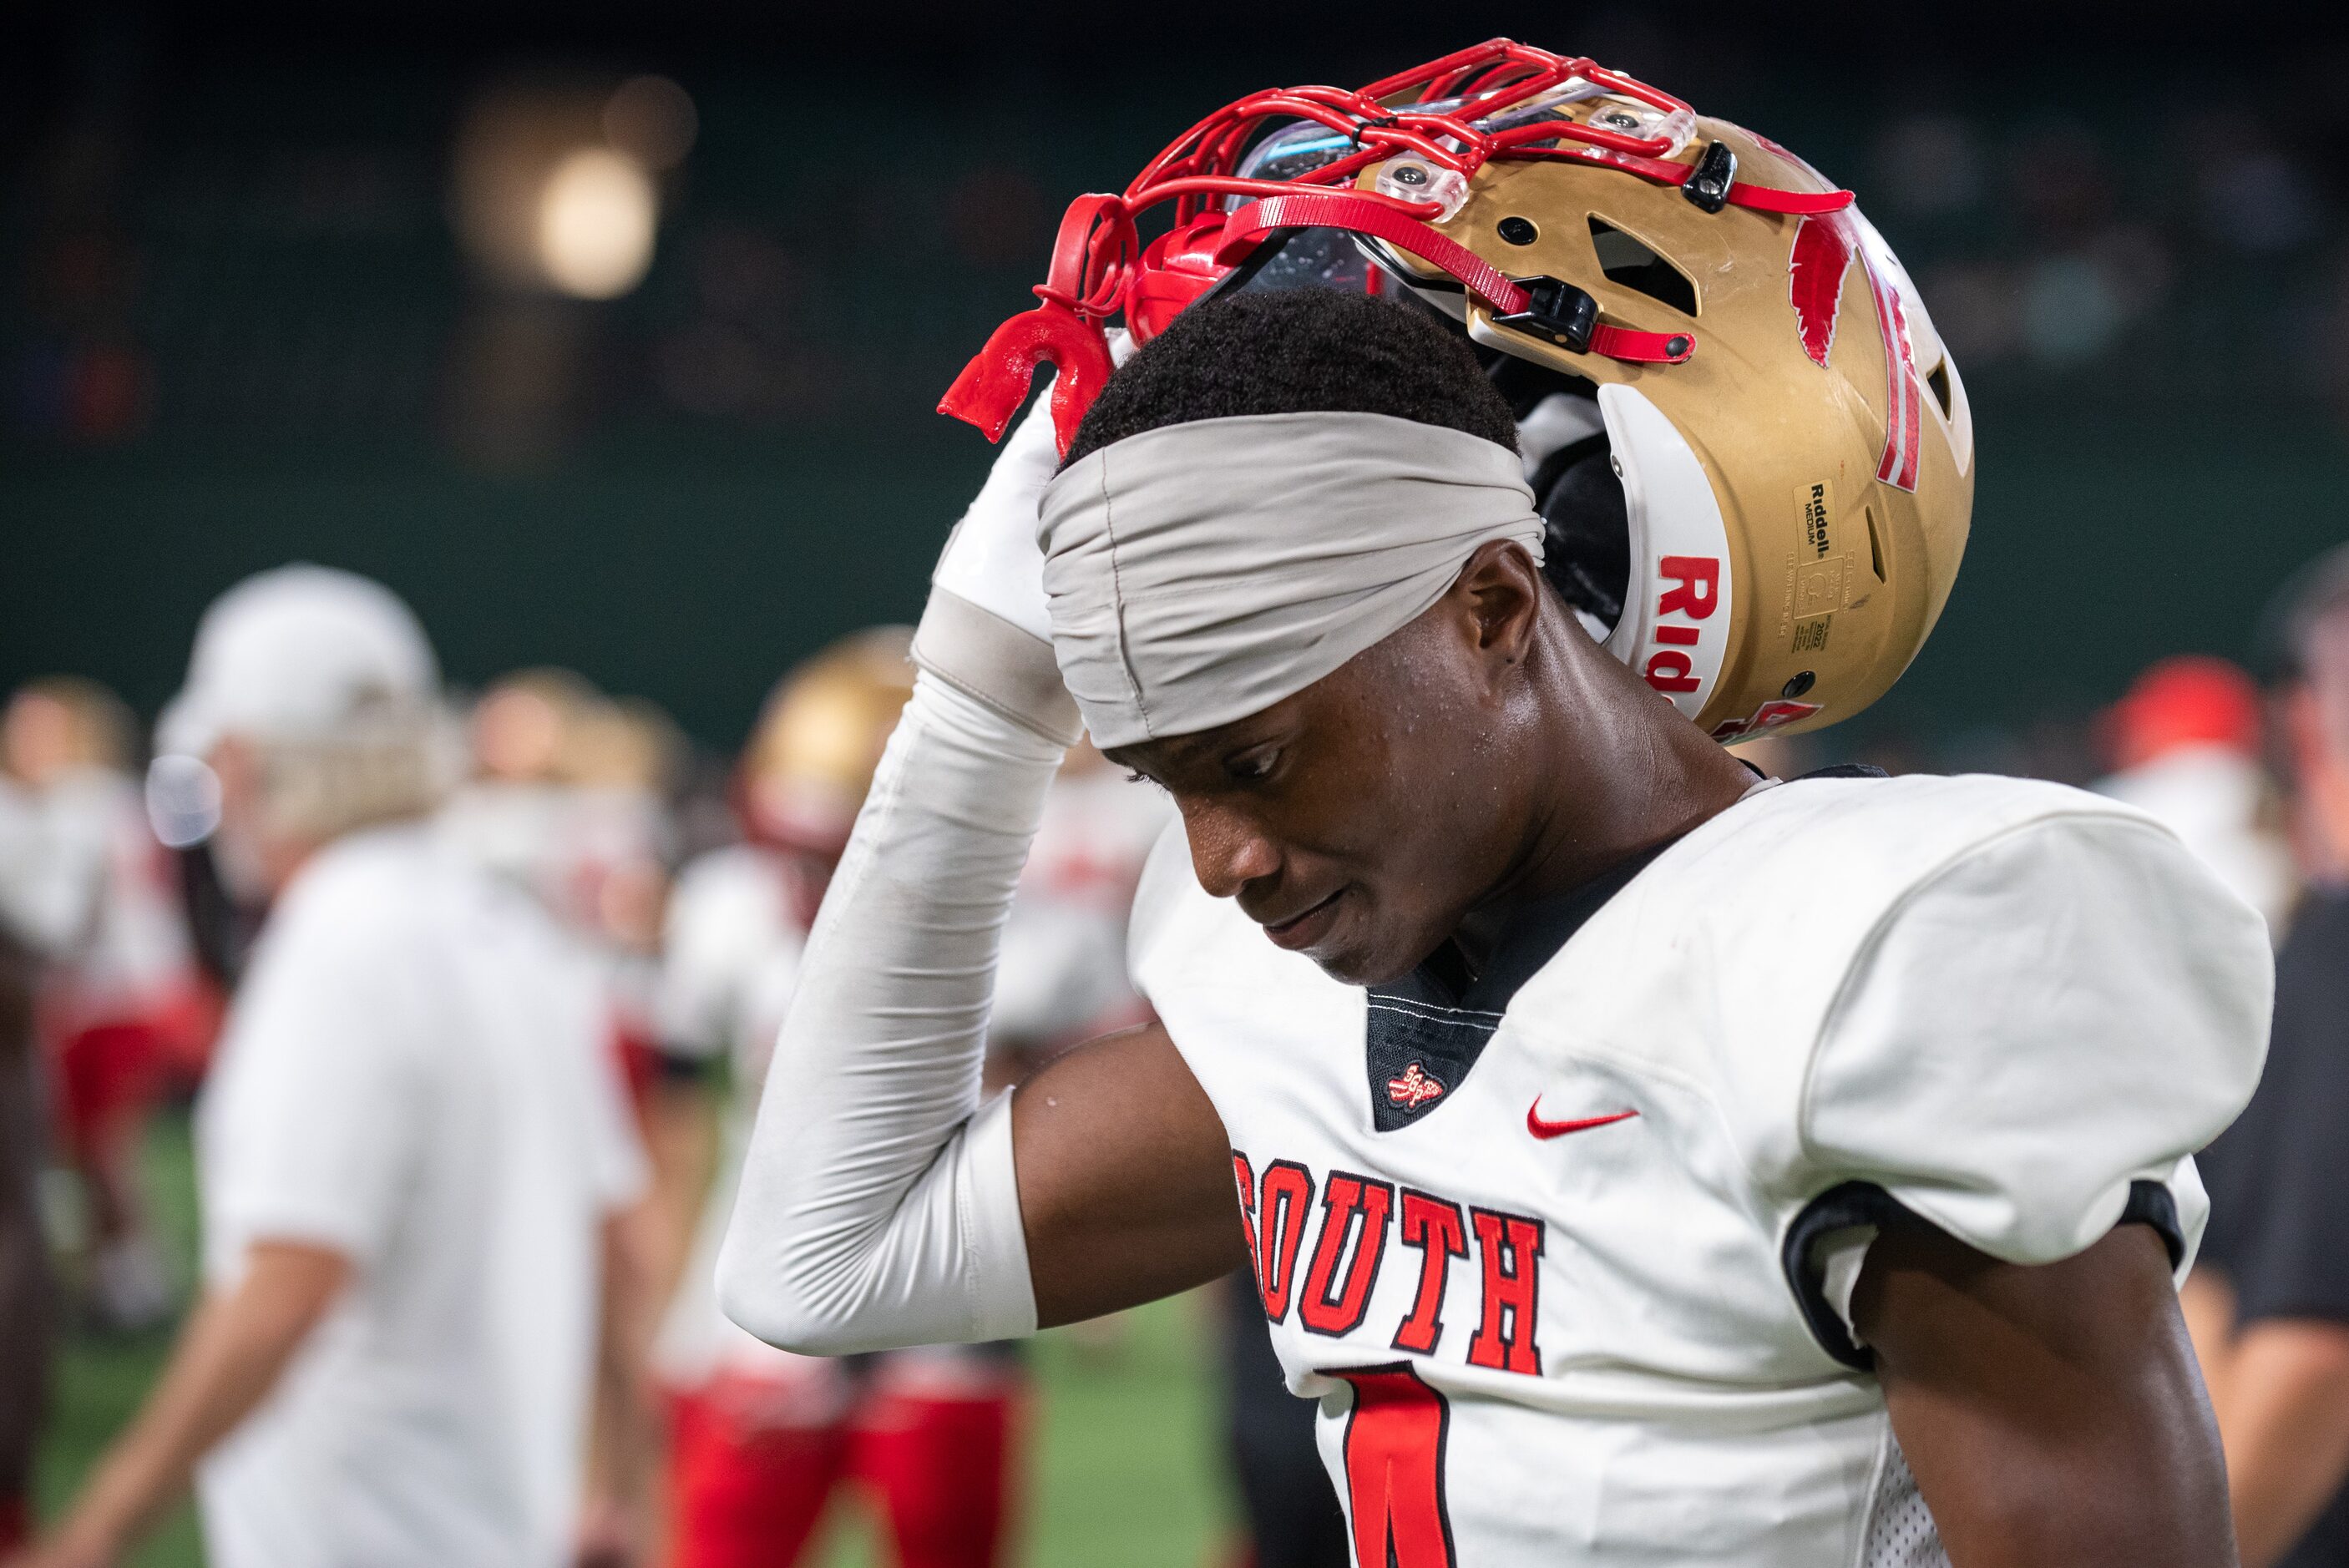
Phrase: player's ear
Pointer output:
(1503, 588)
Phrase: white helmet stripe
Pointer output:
(1675, 626)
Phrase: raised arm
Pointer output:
(880, 1204)
(231, 1353)
(1125, 1179)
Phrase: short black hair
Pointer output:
(1298, 351)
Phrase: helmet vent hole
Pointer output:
(1938, 380)
(1875, 545)
(1632, 263)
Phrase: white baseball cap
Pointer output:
(297, 654)
(301, 653)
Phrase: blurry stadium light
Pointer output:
(555, 185)
(595, 218)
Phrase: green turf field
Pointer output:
(1125, 1468)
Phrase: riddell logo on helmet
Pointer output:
(1692, 591)
(1816, 505)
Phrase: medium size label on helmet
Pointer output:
(1817, 503)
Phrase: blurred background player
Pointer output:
(411, 1148)
(2269, 1303)
(2187, 744)
(23, 1252)
(760, 1439)
(568, 800)
(119, 1004)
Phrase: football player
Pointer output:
(761, 1438)
(2188, 746)
(1642, 1162)
(25, 1284)
(569, 800)
(2269, 1301)
(120, 1000)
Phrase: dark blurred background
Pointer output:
(249, 311)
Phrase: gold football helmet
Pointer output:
(1753, 450)
(820, 739)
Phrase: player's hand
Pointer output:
(992, 564)
(991, 559)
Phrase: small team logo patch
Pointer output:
(1414, 1088)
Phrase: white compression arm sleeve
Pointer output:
(878, 1205)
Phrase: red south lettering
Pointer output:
(1246, 1176)
(1508, 1246)
(1344, 1199)
(1288, 1192)
(1436, 1229)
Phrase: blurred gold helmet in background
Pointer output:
(819, 736)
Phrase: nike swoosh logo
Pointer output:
(1549, 1130)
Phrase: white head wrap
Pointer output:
(1200, 573)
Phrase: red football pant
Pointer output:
(109, 1079)
(942, 1468)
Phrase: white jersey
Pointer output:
(415, 1075)
(137, 961)
(1549, 1254)
(83, 881)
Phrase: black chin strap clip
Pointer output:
(1711, 177)
(1557, 310)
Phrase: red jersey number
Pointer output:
(1394, 1468)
